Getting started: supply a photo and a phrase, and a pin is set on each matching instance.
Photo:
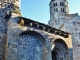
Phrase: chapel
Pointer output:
(22, 38)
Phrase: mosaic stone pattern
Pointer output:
(4, 8)
(29, 48)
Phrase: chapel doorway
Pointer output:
(54, 55)
(59, 50)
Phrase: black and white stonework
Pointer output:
(29, 48)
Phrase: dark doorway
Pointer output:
(54, 55)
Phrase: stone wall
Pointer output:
(3, 28)
(13, 45)
(16, 42)
(72, 26)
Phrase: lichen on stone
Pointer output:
(17, 12)
(21, 22)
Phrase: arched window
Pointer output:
(56, 9)
(62, 4)
(56, 3)
(63, 9)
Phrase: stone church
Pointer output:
(25, 39)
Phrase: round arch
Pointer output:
(31, 44)
(63, 41)
(61, 49)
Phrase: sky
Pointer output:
(38, 10)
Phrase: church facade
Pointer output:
(62, 20)
(25, 39)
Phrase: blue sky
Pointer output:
(38, 10)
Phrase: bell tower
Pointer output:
(60, 6)
(57, 8)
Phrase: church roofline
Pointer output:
(45, 27)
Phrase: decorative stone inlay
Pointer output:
(29, 47)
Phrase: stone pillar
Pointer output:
(70, 54)
(12, 37)
(47, 52)
(67, 56)
(10, 49)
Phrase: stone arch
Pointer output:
(30, 46)
(32, 33)
(60, 48)
(64, 41)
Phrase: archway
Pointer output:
(59, 50)
(54, 56)
(30, 46)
